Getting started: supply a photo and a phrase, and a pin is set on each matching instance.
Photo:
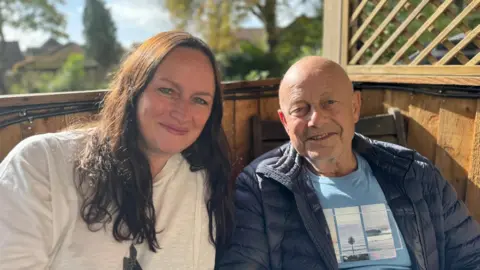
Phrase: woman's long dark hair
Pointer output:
(114, 176)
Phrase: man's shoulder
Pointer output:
(269, 158)
(405, 159)
(249, 173)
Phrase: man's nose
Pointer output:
(317, 118)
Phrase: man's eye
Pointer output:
(329, 102)
(298, 111)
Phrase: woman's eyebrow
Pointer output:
(175, 84)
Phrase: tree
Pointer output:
(215, 20)
(351, 241)
(28, 15)
(187, 12)
(100, 34)
(71, 76)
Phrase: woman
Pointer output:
(145, 188)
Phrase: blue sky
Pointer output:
(135, 20)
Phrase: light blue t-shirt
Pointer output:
(364, 232)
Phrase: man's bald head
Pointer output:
(319, 70)
(319, 109)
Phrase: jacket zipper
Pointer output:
(307, 221)
(420, 232)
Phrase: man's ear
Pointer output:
(281, 115)
(356, 105)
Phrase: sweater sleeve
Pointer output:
(25, 212)
(462, 232)
(249, 246)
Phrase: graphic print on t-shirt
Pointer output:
(361, 233)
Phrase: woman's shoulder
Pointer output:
(39, 155)
(48, 144)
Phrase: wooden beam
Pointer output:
(332, 29)
(247, 84)
(412, 79)
(46, 98)
(345, 33)
(424, 70)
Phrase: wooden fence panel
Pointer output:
(43, 125)
(269, 108)
(423, 120)
(228, 123)
(244, 110)
(455, 141)
(372, 102)
(10, 136)
(473, 186)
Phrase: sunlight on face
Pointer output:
(176, 104)
(319, 112)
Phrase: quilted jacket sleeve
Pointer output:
(462, 232)
(249, 246)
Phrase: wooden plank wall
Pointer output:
(13, 134)
(445, 130)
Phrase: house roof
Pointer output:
(54, 59)
(50, 45)
(13, 54)
(251, 34)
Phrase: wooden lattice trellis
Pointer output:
(411, 38)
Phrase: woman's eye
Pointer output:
(200, 101)
(166, 91)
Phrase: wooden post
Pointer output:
(335, 30)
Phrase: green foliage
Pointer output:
(31, 83)
(439, 24)
(216, 21)
(301, 38)
(71, 76)
(35, 15)
(254, 75)
(29, 15)
(100, 34)
(237, 65)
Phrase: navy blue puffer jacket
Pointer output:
(280, 222)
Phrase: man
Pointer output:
(333, 199)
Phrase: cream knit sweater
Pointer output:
(40, 226)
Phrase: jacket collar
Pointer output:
(389, 158)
